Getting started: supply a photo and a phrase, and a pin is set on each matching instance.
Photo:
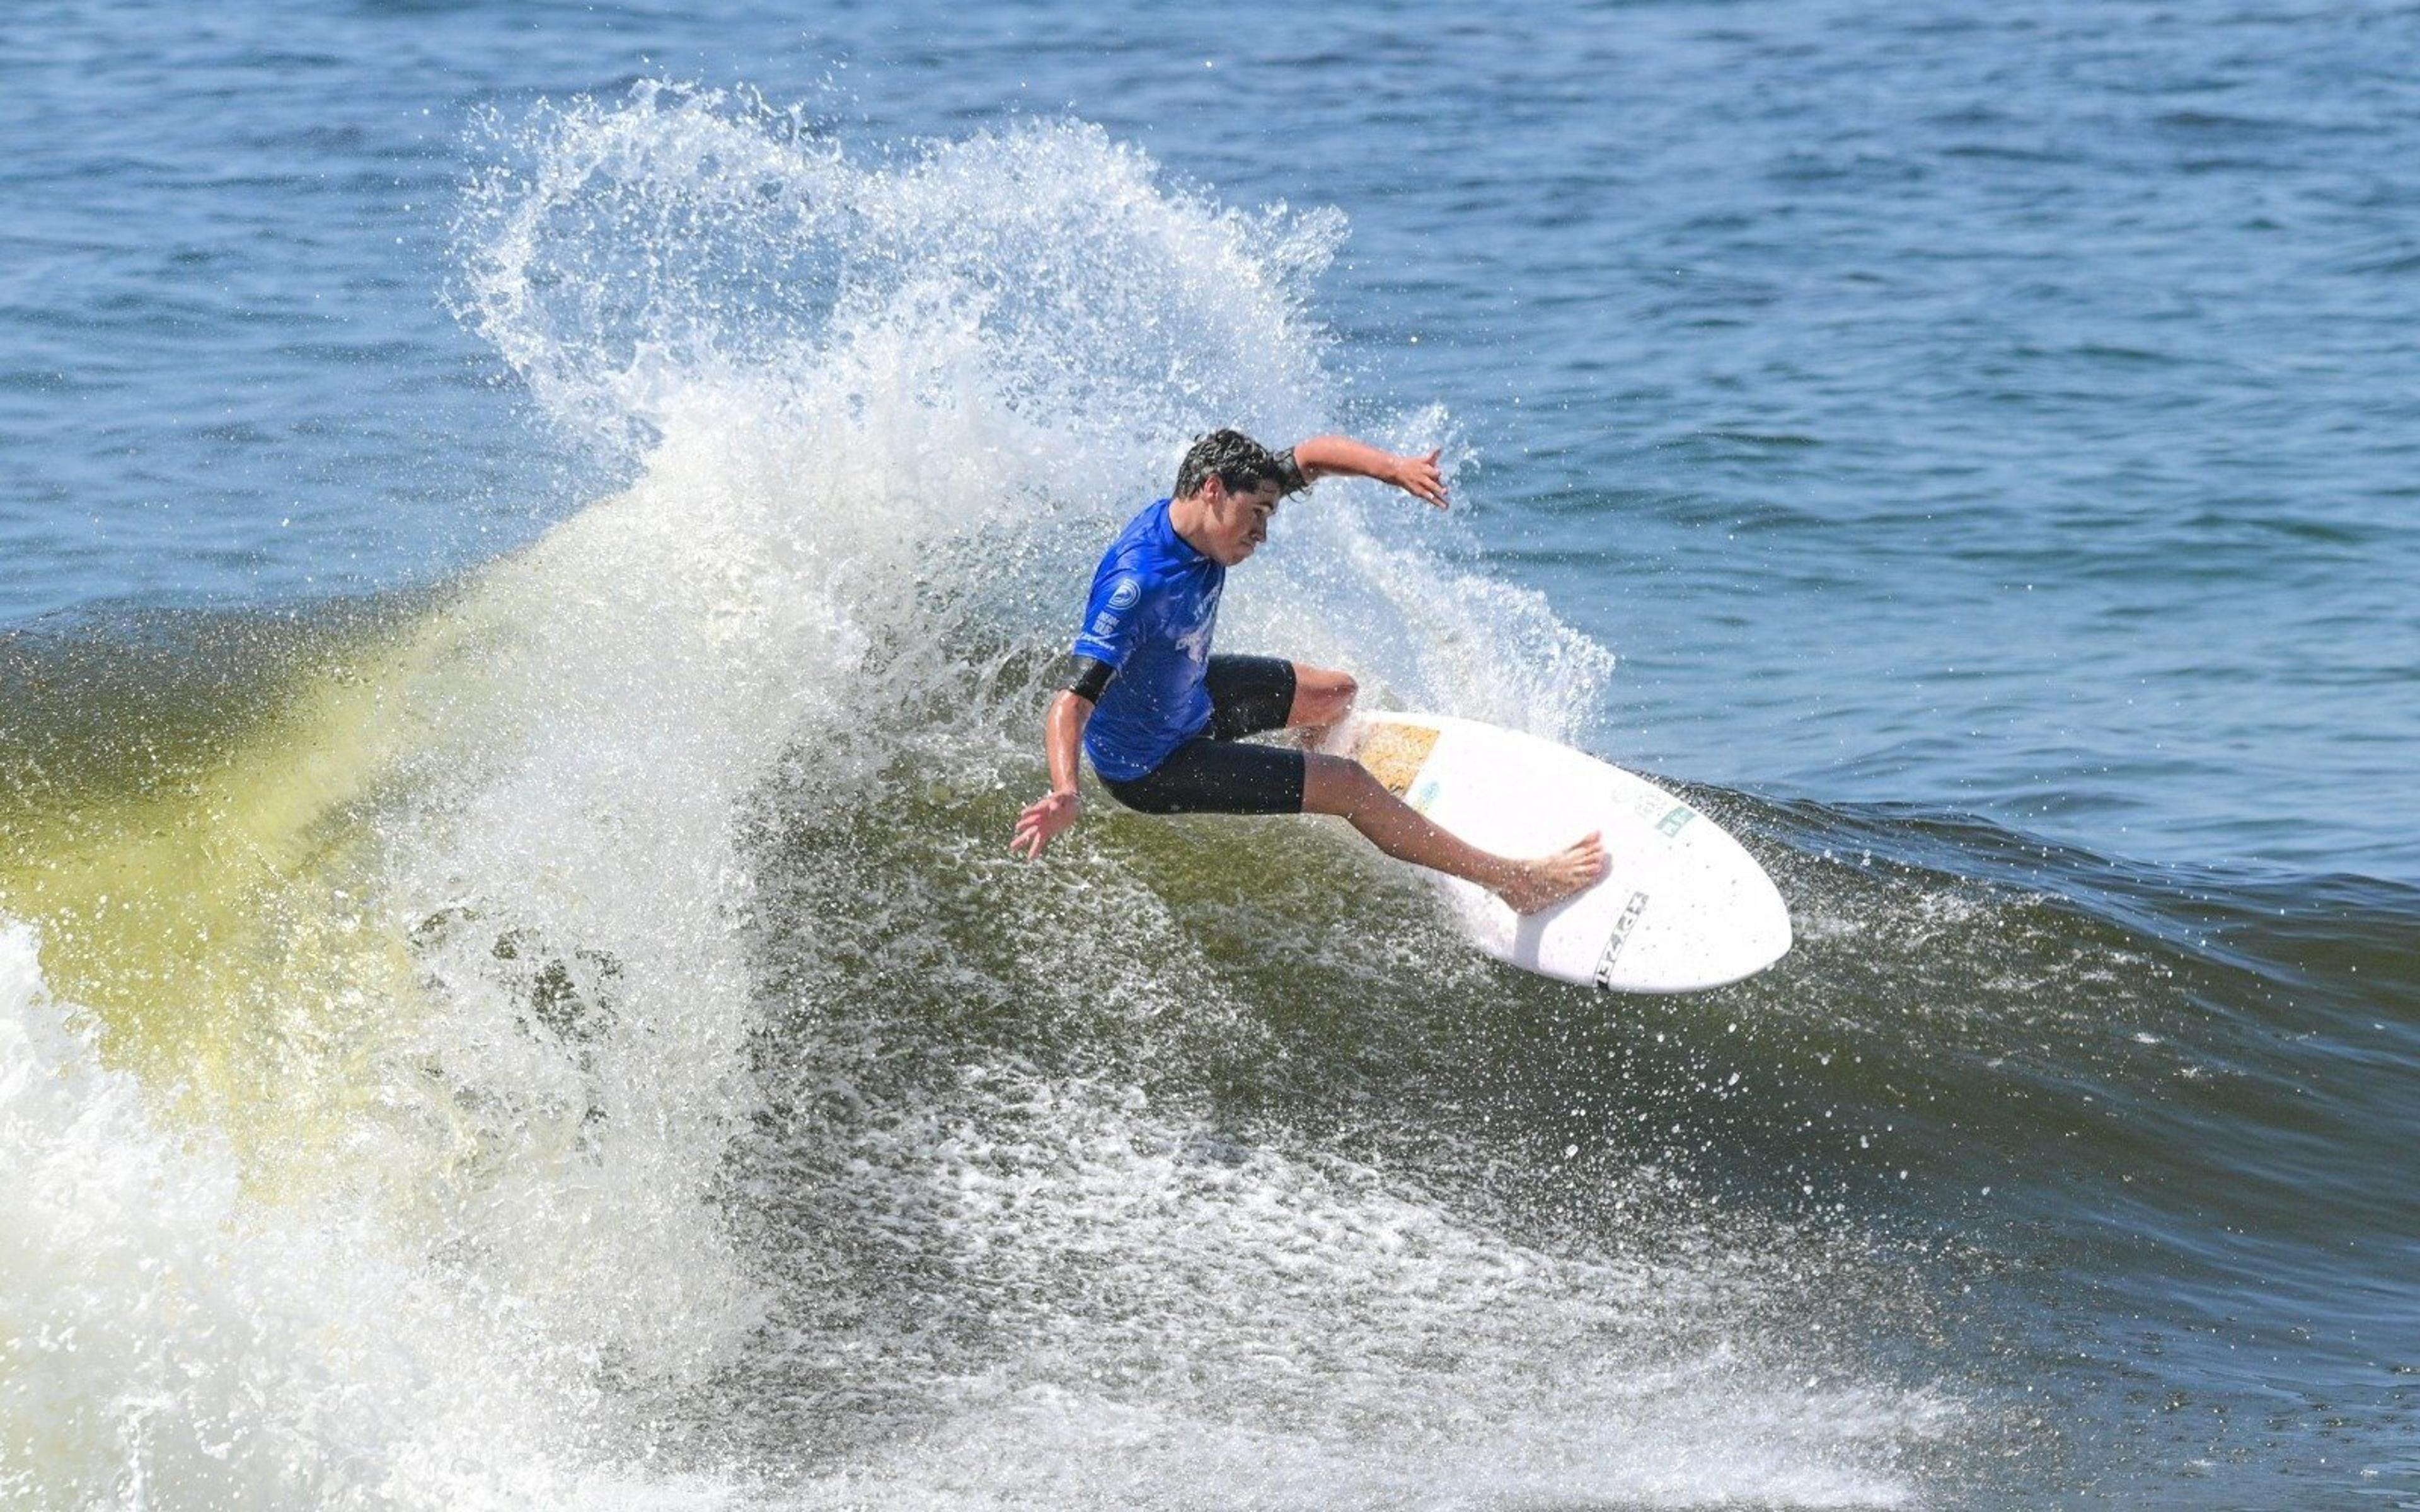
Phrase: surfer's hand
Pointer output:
(1419, 477)
(1044, 821)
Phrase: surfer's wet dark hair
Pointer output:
(1237, 461)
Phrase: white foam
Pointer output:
(1201, 1323)
(165, 1342)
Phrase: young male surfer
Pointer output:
(1163, 720)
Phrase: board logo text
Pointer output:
(1621, 928)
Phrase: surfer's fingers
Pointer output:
(1033, 838)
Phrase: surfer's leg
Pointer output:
(1333, 785)
(1251, 694)
(1322, 696)
(1247, 695)
(1218, 776)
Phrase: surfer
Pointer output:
(1163, 720)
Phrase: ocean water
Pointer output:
(532, 540)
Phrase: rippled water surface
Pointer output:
(530, 541)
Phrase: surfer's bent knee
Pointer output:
(1322, 695)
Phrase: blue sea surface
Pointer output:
(1986, 439)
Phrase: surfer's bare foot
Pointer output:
(1550, 879)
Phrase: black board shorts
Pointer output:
(1216, 772)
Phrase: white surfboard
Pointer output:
(1683, 905)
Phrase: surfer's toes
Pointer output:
(1550, 879)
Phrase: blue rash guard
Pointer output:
(1155, 602)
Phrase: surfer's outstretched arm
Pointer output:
(1326, 457)
(1063, 738)
(1334, 785)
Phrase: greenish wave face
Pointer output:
(200, 863)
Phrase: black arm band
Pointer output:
(1087, 678)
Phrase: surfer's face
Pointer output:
(1239, 521)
